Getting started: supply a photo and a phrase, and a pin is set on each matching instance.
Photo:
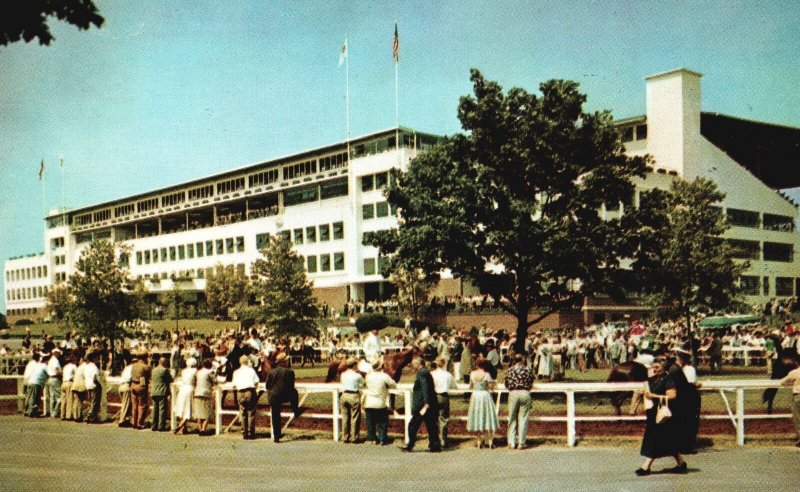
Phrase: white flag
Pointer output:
(343, 54)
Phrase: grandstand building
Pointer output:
(325, 199)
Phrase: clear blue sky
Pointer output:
(172, 90)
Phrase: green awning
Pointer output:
(723, 321)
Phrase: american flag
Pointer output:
(396, 46)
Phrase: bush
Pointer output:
(23, 322)
(369, 322)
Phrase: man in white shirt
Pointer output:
(66, 389)
(350, 402)
(245, 380)
(124, 389)
(93, 388)
(26, 376)
(376, 396)
(36, 380)
(54, 382)
(443, 382)
(793, 379)
(372, 347)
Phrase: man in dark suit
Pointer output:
(424, 408)
(280, 388)
(159, 392)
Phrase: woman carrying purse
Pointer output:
(660, 439)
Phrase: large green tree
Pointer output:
(27, 19)
(514, 202)
(58, 301)
(226, 289)
(682, 264)
(284, 289)
(97, 289)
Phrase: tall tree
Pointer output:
(225, 289)
(97, 288)
(412, 288)
(514, 203)
(284, 289)
(58, 301)
(27, 19)
(682, 264)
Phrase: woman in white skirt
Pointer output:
(203, 403)
(482, 418)
(183, 402)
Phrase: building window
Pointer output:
(368, 211)
(173, 199)
(240, 244)
(744, 250)
(303, 194)
(381, 180)
(338, 261)
(331, 162)
(164, 254)
(201, 273)
(766, 286)
(229, 245)
(172, 253)
(181, 252)
(190, 251)
(146, 205)
(230, 186)
(369, 266)
(138, 257)
(743, 218)
(325, 263)
(774, 222)
(147, 257)
(201, 192)
(298, 236)
(382, 209)
(332, 189)
(262, 241)
(199, 248)
(778, 252)
(311, 264)
(367, 183)
(383, 262)
(338, 230)
(784, 286)
(325, 232)
(641, 132)
(263, 178)
(209, 248)
(311, 234)
(220, 247)
(155, 256)
(286, 235)
(627, 134)
(292, 171)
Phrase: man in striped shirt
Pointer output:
(518, 382)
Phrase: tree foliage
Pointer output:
(225, 289)
(284, 289)
(27, 19)
(412, 288)
(97, 288)
(681, 262)
(513, 203)
(58, 301)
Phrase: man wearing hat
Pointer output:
(280, 388)
(352, 382)
(245, 381)
(376, 399)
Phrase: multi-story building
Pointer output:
(325, 199)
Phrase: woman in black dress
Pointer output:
(660, 440)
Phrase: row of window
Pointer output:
(60, 277)
(60, 259)
(57, 242)
(26, 293)
(306, 235)
(313, 193)
(634, 132)
(752, 250)
(377, 210)
(756, 220)
(173, 199)
(374, 181)
(22, 311)
(752, 285)
(322, 263)
(200, 273)
(188, 251)
(26, 273)
(375, 265)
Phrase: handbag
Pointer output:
(663, 413)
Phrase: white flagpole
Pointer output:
(61, 166)
(44, 193)
(397, 99)
(347, 90)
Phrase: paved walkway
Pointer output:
(44, 454)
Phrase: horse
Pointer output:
(785, 362)
(626, 372)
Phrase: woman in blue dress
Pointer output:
(482, 418)
(660, 439)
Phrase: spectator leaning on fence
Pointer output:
(68, 376)
(352, 382)
(54, 381)
(161, 378)
(793, 379)
(443, 382)
(245, 381)
(36, 381)
(518, 382)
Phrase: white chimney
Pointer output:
(673, 117)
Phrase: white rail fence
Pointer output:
(734, 412)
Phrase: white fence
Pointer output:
(735, 413)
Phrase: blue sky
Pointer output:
(171, 90)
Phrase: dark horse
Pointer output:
(786, 361)
(626, 372)
(393, 364)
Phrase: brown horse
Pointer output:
(393, 364)
(626, 372)
(785, 363)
